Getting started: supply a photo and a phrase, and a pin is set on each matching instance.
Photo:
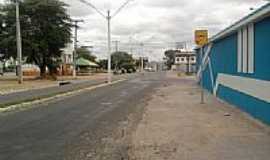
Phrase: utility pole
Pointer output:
(201, 79)
(142, 59)
(108, 17)
(19, 44)
(188, 65)
(130, 45)
(75, 45)
(109, 48)
(116, 45)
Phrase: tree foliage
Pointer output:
(45, 28)
(103, 63)
(86, 54)
(123, 60)
(170, 57)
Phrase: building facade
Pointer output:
(235, 64)
(185, 62)
(67, 56)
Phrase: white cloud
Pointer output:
(159, 21)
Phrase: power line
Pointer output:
(94, 7)
(108, 17)
(121, 7)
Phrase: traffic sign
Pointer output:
(201, 37)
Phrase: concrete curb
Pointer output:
(2, 93)
(39, 100)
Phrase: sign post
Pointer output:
(201, 39)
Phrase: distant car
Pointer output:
(149, 69)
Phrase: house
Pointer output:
(66, 67)
(185, 61)
(67, 56)
(234, 65)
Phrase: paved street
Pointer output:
(152, 116)
(53, 90)
(57, 130)
(160, 80)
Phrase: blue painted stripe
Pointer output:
(255, 107)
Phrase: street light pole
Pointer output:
(109, 47)
(116, 45)
(108, 17)
(75, 45)
(19, 44)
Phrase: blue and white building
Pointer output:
(235, 64)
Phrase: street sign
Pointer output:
(201, 37)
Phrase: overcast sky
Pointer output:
(157, 23)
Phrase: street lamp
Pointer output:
(19, 43)
(75, 45)
(108, 17)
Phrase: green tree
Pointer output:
(2, 23)
(103, 63)
(86, 54)
(123, 60)
(46, 28)
(170, 57)
(4, 36)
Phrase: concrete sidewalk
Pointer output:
(176, 126)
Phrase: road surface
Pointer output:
(29, 95)
(58, 130)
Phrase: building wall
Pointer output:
(185, 62)
(248, 91)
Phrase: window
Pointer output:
(183, 59)
(245, 53)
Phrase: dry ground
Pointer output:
(175, 126)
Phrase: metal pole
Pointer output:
(116, 45)
(109, 47)
(201, 79)
(19, 44)
(130, 45)
(108, 17)
(142, 60)
(75, 48)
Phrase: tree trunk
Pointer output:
(42, 71)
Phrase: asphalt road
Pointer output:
(55, 131)
(19, 97)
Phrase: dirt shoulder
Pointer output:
(176, 126)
